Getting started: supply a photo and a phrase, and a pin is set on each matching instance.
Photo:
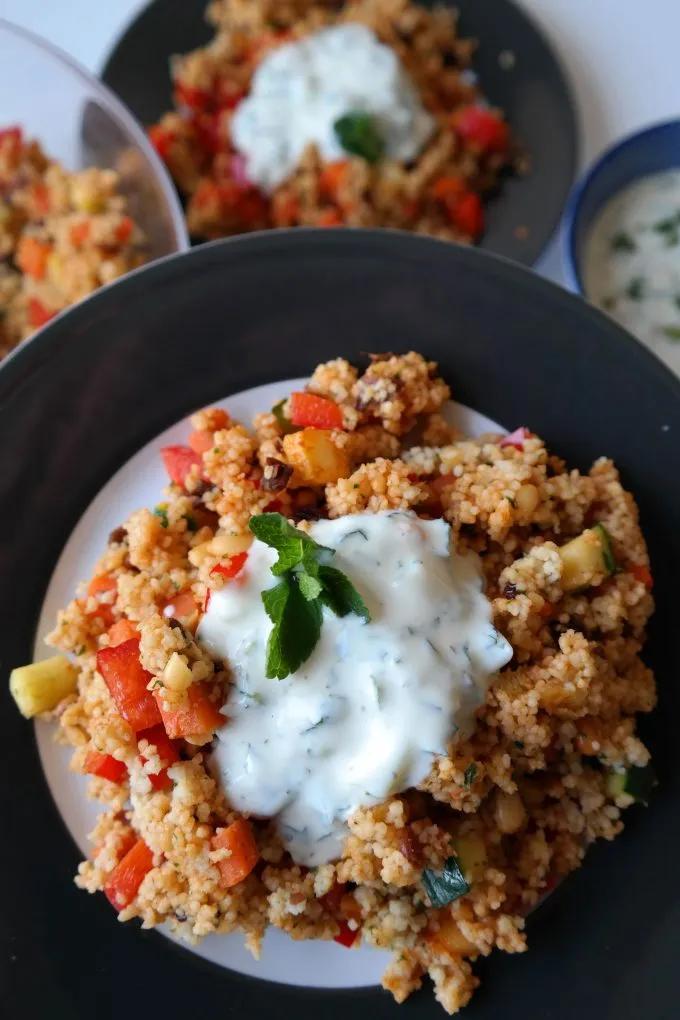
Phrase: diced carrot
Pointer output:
(196, 714)
(643, 574)
(482, 129)
(38, 314)
(310, 411)
(126, 878)
(102, 583)
(122, 630)
(127, 681)
(178, 462)
(105, 766)
(237, 838)
(166, 750)
(332, 178)
(285, 209)
(445, 188)
(32, 257)
(231, 567)
(201, 440)
(79, 233)
(182, 606)
(40, 194)
(124, 230)
(329, 218)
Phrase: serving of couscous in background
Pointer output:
(240, 679)
(62, 235)
(313, 113)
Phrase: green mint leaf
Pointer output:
(671, 332)
(292, 545)
(608, 558)
(296, 631)
(275, 600)
(309, 586)
(358, 134)
(623, 242)
(443, 887)
(340, 595)
(470, 775)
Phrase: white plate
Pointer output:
(139, 483)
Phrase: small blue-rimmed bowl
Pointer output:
(649, 151)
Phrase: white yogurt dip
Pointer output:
(632, 262)
(365, 716)
(302, 88)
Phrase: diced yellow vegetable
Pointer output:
(615, 783)
(449, 939)
(41, 686)
(472, 857)
(314, 457)
(583, 560)
(177, 676)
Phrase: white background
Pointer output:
(621, 56)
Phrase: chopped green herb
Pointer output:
(192, 524)
(669, 228)
(470, 775)
(162, 513)
(295, 604)
(636, 288)
(623, 242)
(672, 332)
(637, 782)
(358, 134)
(445, 886)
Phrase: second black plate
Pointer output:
(517, 69)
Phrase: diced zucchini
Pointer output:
(636, 782)
(42, 685)
(472, 857)
(586, 558)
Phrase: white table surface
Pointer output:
(621, 57)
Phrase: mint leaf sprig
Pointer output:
(294, 605)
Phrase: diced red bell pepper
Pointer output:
(192, 97)
(238, 838)
(516, 438)
(332, 178)
(333, 898)
(346, 936)
(467, 214)
(127, 682)
(40, 194)
(329, 218)
(105, 766)
(38, 314)
(178, 461)
(162, 140)
(126, 878)
(308, 410)
(124, 230)
(482, 129)
(167, 752)
(196, 714)
(232, 567)
(120, 631)
(642, 573)
(446, 188)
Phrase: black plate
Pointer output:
(105, 378)
(534, 95)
